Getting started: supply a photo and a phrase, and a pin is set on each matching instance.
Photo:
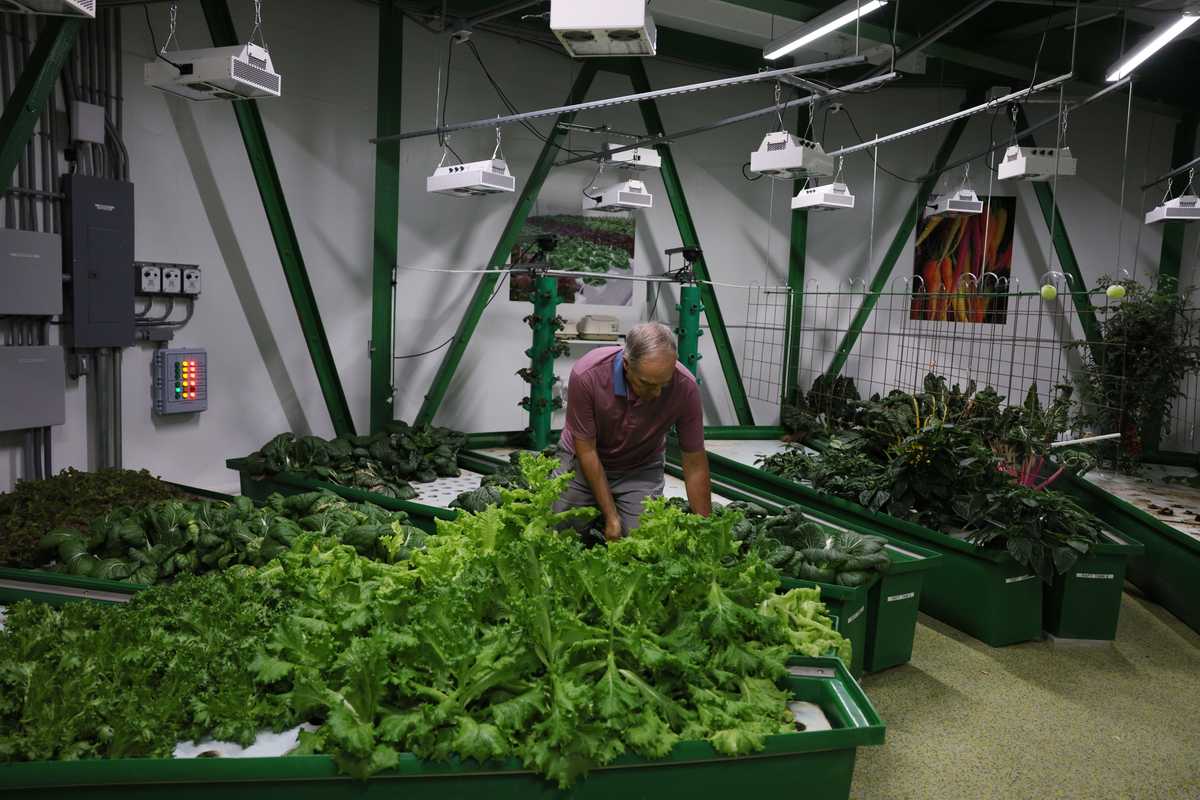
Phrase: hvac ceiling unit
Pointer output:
(1185, 208)
(625, 196)
(1036, 163)
(958, 204)
(591, 28)
(473, 179)
(240, 72)
(638, 159)
(830, 197)
(62, 8)
(786, 157)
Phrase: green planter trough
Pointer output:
(1168, 568)
(820, 763)
(982, 592)
(1085, 602)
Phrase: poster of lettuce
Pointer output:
(593, 246)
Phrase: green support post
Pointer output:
(689, 238)
(1183, 149)
(545, 323)
(508, 239)
(690, 307)
(1066, 253)
(387, 213)
(258, 150)
(900, 241)
(34, 87)
(797, 263)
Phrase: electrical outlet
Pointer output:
(148, 278)
(172, 280)
(191, 281)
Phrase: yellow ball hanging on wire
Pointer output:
(1049, 292)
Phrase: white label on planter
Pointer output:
(1020, 578)
(1096, 576)
(905, 596)
(811, 672)
(856, 615)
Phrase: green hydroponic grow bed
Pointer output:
(815, 764)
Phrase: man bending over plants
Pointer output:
(621, 403)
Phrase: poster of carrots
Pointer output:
(952, 258)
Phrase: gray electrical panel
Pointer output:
(98, 245)
(180, 380)
(35, 387)
(30, 273)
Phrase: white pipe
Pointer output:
(1087, 440)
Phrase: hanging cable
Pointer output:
(499, 286)
(258, 26)
(150, 27)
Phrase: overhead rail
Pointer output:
(651, 141)
(1181, 169)
(946, 120)
(575, 108)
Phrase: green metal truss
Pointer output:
(258, 150)
(387, 213)
(36, 84)
(900, 241)
(689, 238)
(797, 264)
(508, 239)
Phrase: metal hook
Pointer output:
(172, 13)
(497, 151)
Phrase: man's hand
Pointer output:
(698, 482)
(612, 528)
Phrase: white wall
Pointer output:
(197, 203)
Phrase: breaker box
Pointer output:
(36, 387)
(180, 381)
(98, 258)
(30, 273)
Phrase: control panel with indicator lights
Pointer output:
(180, 381)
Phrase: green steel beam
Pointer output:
(1066, 253)
(1182, 149)
(387, 213)
(900, 242)
(508, 239)
(258, 150)
(36, 84)
(797, 264)
(689, 238)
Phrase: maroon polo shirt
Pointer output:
(629, 432)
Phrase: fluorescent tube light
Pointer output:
(821, 25)
(1156, 43)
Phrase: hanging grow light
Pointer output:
(628, 195)
(637, 159)
(830, 197)
(1185, 208)
(587, 28)
(1036, 163)
(783, 156)
(471, 179)
(960, 203)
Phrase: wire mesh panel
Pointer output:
(768, 313)
(987, 332)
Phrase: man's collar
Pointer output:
(619, 388)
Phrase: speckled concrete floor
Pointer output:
(1041, 720)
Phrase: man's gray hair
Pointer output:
(647, 339)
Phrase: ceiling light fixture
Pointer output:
(820, 25)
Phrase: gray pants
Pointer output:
(629, 489)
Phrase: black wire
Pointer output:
(154, 43)
(499, 286)
(861, 140)
(446, 101)
(747, 176)
(512, 109)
